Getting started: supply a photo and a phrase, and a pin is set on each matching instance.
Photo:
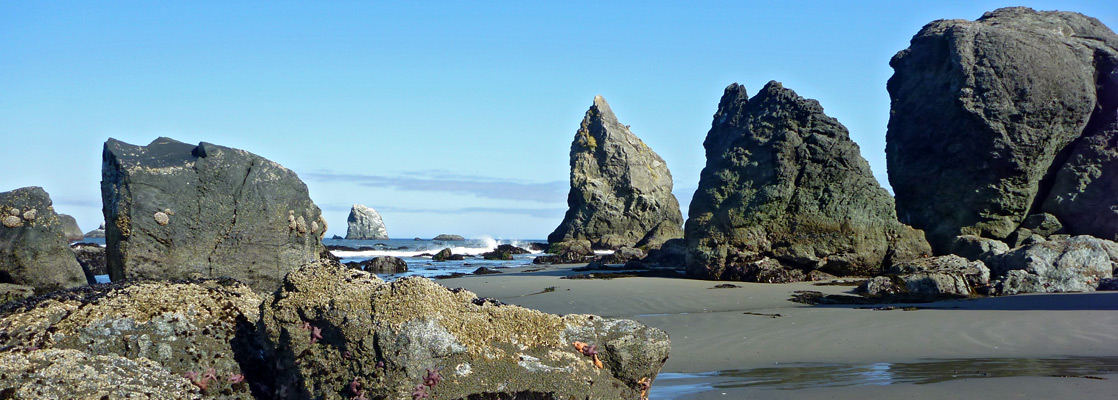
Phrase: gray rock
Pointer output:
(503, 252)
(784, 181)
(996, 119)
(92, 259)
(621, 190)
(381, 265)
(33, 247)
(332, 326)
(1043, 224)
(447, 255)
(96, 233)
(568, 252)
(73, 374)
(944, 275)
(175, 328)
(448, 238)
(365, 224)
(1076, 264)
(621, 256)
(179, 211)
(765, 270)
(12, 292)
(1108, 284)
(70, 228)
(977, 248)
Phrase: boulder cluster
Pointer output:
(1002, 149)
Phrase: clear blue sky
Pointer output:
(447, 117)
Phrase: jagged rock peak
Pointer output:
(621, 190)
(784, 181)
(365, 224)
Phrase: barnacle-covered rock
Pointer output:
(73, 374)
(331, 325)
(184, 327)
(33, 245)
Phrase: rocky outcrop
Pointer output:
(933, 277)
(365, 224)
(448, 238)
(92, 259)
(168, 334)
(341, 333)
(33, 246)
(447, 255)
(380, 265)
(12, 292)
(783, 181)
(568, 252)
(1075, 264)
(70, 228)
(96, 233)
(997, 119)
(503, 252)
(178, 211)
(621, 191)
(73, 374)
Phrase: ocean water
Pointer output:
(412, 251)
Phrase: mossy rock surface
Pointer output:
(331, 325)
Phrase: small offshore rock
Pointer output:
(381, 265)
(70, 228)
(448, 238)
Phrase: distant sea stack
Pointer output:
(70, 228)
(783, 182)
(1003, 118)
(34, 250)
(365, 224)
(621, 190)
(177, 211)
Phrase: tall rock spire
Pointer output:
(621, 191)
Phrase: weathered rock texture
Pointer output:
(621, 191)
(784, 181)
(96, 233)
(70, 228)
(365, 224)
(1003, 117)
(92, 259)
(73, 374)
(333, 326)
(949, 275)
(1075, 264)
(178, 211)
(161, 330)
(33, 247)
(381, 265)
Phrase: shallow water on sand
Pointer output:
(822, 375)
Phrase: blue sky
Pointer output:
(447, 117)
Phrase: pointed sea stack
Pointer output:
(1003, 118)
(180, 211)
(365, 224)
(621, 191)
(783, 182)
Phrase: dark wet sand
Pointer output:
(867, 353)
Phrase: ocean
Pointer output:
(411, 251)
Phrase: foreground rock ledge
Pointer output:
(330, 332)
(332, 326)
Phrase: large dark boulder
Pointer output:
(70, 228)
(997, 119)
(364, 223)
(176, 211)
(33, 247)
(381, 265)
(621, 190)
(332, 326)
(783, 181)
(91, 256)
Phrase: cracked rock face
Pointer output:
(997, 119)
(365, 224)
(330, 325)
(177, 211)
(34, 250)
(621, 190)
(784, 187)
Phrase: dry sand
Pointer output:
(729, 343)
